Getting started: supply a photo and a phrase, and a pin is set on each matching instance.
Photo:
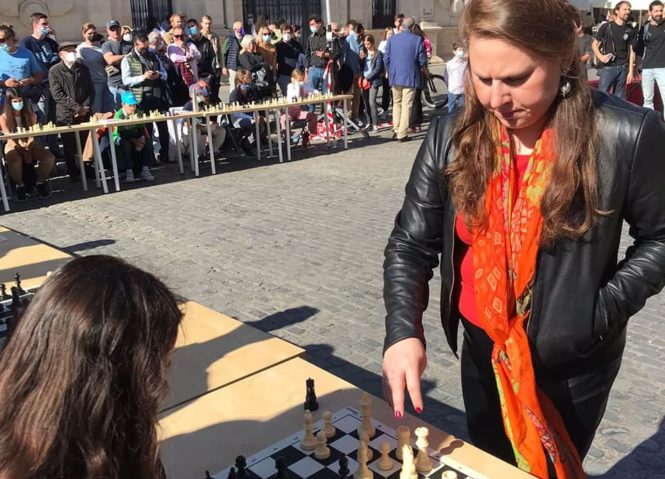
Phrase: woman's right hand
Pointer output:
(403, 364)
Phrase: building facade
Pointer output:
(438, 17)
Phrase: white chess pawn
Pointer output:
(328, 428)
(322, 451)
(363, 471)
(386, 462)
(308, 442)
(448, 475)
(423, 461)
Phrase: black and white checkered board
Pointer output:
(303, 464)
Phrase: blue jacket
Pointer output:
(351, 53)
(404, 58)
(376, 70)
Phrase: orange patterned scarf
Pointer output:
(504, 258)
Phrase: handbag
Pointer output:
(364, 83)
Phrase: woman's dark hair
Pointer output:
(416, 30)
(84, 372)
(26, 115)
(570, 204)
(370, 38)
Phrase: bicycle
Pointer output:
(434, 95)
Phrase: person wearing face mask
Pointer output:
(455, 71)
(45, 50)
(90, 53)
(351, 58)
(144, 75)
(207, 61)
(25, 151)
(231, 51)
(266, 49)
(217, 45)
(73, 92)
(114, 50)
(251, 61)
(289, 53)
(18, 67)
(244, 93)
(316, 55)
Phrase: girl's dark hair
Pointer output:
(370, 38)
(26, 114)
(570, 204)
(84, 372)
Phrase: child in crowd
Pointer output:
(455, 71)
(134, 141)
(85, 373)
(295, 90)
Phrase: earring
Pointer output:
(565, 88)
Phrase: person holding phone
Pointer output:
(74, 94)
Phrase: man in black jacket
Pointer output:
(71, 87)
(207, 61)
(316, 54)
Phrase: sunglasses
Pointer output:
(114, 29)
(178, 36)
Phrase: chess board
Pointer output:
(303, 465)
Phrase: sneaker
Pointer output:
(43, 190)
(146, 175)
(375, 128)
(129, 176)
(21, 194)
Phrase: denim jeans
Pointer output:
(314, 81)
(613, 78)
(650, 76)
(455, 101)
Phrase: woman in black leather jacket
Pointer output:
(524, 195)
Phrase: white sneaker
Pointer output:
(146, 175)
(129, 176)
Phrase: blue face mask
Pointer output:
(44, 31)
(313, 29)
(245, 86)
(193, 31)
(266, 38)
(17, 105)
(4, 47)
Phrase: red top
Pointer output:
(467, 300)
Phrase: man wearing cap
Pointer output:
(144, 75)
(114, 50)
(73, 92)
(135, 145)
(199, 92)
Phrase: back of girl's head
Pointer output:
(243, 76)
(297, 75)
(85, 370)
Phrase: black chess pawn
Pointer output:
(232, 473)
(344, 467)
(311, 404)
(17, 280)
(280, 465)
(241, 468)
(3, 292)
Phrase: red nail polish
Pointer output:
(419, 410)
(398, 415)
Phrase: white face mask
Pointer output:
(70, 57)
(286, 37)
(127, 37)
(459, 53)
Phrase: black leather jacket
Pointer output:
(582, 296)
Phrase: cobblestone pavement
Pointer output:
(295, 249)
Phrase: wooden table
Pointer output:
(214, 350)
(28, 257)
(252, 414)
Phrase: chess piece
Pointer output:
(366, 416)
(449, 475)
(232, 473)
(343, 468)
(363, 471)
(311, 404)
(208, 476)
(328, 428)
(403, 439)
(17, 280)
(408, 464)
(241, 468)
(308, 442)
(280, 465)
(322, 451)
(3, 292)
(386, 462)
(423, 461)
(364, 442)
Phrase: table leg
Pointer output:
(3, 192)
(269, 134)
(114, 161)
(277, 112)
(258, 135)
(84, 180)
(327, 108)
(194, 141)
(288, 134)
(344, 126)
(100, 164)
(211, 148)
(178, 145)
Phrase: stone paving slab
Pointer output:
(296, 250)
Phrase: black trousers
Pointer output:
(580, 395)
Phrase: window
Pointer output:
(383, 13)
(293, 11)
(145, 13)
